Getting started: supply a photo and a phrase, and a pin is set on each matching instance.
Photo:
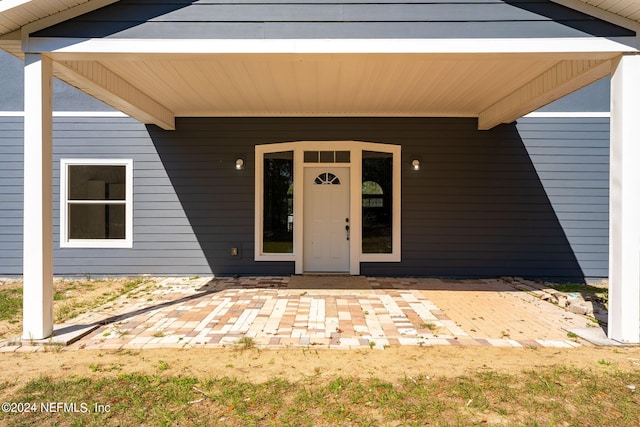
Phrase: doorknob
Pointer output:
(346, 227)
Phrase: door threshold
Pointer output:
(325, 273)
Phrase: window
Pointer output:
(327, 178)
(277, 214)
(377, 202)
(327, 156)
(96, 209)
(372, 195)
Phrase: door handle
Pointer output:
(347, 228)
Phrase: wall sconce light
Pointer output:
(415, 164)
(239, 164)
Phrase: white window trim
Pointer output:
(260, 151)
(395, 255)
(65, 242)
(355, 147)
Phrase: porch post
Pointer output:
(38, 228)
(624, 204)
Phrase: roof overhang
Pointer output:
(15, 14)
(495, 80)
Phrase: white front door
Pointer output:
(326, 219)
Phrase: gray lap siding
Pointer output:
(334, 19)
(528, 199)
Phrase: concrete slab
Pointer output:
(68, 334)
(595, 336)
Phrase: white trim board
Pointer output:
(568, 114)
(433, 46)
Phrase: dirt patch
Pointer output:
(71, 297)
(256, 365)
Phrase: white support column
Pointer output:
(624, 205)
(38, 226)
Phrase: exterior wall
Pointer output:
(527, 199)
(11, 199)
(277, 19)
(66, 98)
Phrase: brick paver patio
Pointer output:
(374, 312)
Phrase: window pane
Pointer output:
(311, 157)
(377, 200)
(278, 203)
(96, 221)
(326, 157)
(343, 156)
(96, 182)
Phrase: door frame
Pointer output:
(355, 193)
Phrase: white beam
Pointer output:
(100, 82)
(624, 204)
(561, 79)
(565, 45)
(38, 208)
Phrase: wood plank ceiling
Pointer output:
(328, 85)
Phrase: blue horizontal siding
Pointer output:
(65, 97)
(485, 204)
(334, 19)
(11, 199)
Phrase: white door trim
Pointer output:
(355, 246)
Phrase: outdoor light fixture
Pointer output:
(239, 163)
(415, 164)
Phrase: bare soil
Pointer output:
(254, 365)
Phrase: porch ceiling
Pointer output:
(327, 85)
(455, 85)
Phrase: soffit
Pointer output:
(629, 9)
(15, 14)
(328, 84)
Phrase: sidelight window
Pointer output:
(277, 213)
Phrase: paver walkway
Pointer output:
(279, 312)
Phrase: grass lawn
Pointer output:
(558, 396)
(71, 297)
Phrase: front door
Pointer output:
(326, 219)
